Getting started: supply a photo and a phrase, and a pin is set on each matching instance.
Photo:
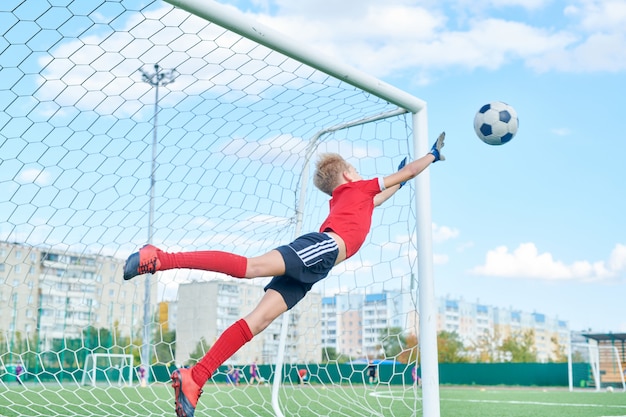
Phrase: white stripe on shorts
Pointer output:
(316, 251)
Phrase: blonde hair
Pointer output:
(328, 171)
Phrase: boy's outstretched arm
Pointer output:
(410, 170)
(388, 192)
(385, 195)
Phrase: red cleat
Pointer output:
(186, 392)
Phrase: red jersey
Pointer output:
(351, 208)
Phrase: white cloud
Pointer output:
(562, 131)
(464, 246)
(527, 262)
(440, 259)
(598, 52)
(617, 260)
(599, 15)
(35, 176)
(383, 38)
(527, 4)
(444, 233)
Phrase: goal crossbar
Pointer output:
(229, 18)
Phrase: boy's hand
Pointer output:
(402, 164)
(436, 149)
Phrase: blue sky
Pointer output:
(537, 224)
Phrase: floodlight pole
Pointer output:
(160, 77)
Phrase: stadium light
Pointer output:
(159, 78)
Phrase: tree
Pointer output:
(450, 348)
(410, 353)
(30, 357)
(486, 348)
(329, 354)
(201, 348)
(165, 346)
(392, 341)
(98, 340)
(520, 347)
(578, 356)
(559, 352)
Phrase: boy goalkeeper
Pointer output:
(295, 267)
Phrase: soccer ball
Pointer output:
(609, 388)
(496, 123)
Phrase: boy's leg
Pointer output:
(151, 259)
(241, 332)
(271, 306)
(188, 382)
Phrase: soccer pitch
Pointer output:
(335, 401)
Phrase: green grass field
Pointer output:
(313, 401)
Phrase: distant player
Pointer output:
(371, 372)
(141, 372)
(303, 376)
(254, 373)
(295, 267)
(19, 370)
(416, 378)
(232, 376)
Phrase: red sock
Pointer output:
(210, 260)
(233, 338)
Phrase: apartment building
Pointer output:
(352, 324)
(474, 321)
(205, 309)
(60, 293)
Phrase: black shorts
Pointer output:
(308, 259)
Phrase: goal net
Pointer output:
(125, 122)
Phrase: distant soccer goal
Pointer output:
(109, 368)
(596, 366)
(192, 127)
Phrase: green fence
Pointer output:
(524, 374)
(520, 374)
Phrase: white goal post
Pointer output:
(114, 369)
(236, 22)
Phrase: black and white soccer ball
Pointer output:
(496, 123)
